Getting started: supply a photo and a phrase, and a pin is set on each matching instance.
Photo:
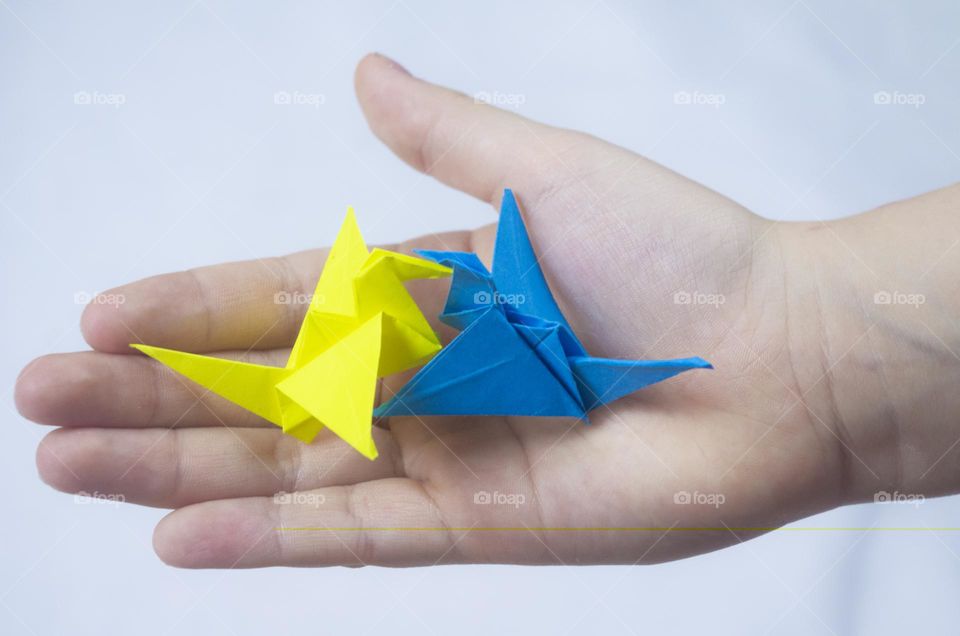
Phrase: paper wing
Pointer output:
(487, 370)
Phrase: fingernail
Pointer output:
(393, 63)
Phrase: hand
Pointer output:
(646, 264)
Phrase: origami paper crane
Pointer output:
(361, 324)
(516, 353)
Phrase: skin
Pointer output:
(820, 397)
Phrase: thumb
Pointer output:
(468, 145)
(481, 150)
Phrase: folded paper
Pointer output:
(361, 324)
(516, 353)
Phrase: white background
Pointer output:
(199, 165)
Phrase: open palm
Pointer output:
(644, 263)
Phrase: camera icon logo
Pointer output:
(482, 298)
(482, 497)
(682, 497)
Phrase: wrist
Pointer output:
(875, 347)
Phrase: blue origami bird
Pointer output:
(516, 354)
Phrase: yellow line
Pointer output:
(626, 529)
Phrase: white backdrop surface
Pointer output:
(200, 165)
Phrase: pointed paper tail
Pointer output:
(603, 380)
(334, 292)
(516, 269)
(334, 301)
(248, 385)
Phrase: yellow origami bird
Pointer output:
(361, 325)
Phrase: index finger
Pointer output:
(243, 305)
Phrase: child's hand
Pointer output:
(820, 396)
